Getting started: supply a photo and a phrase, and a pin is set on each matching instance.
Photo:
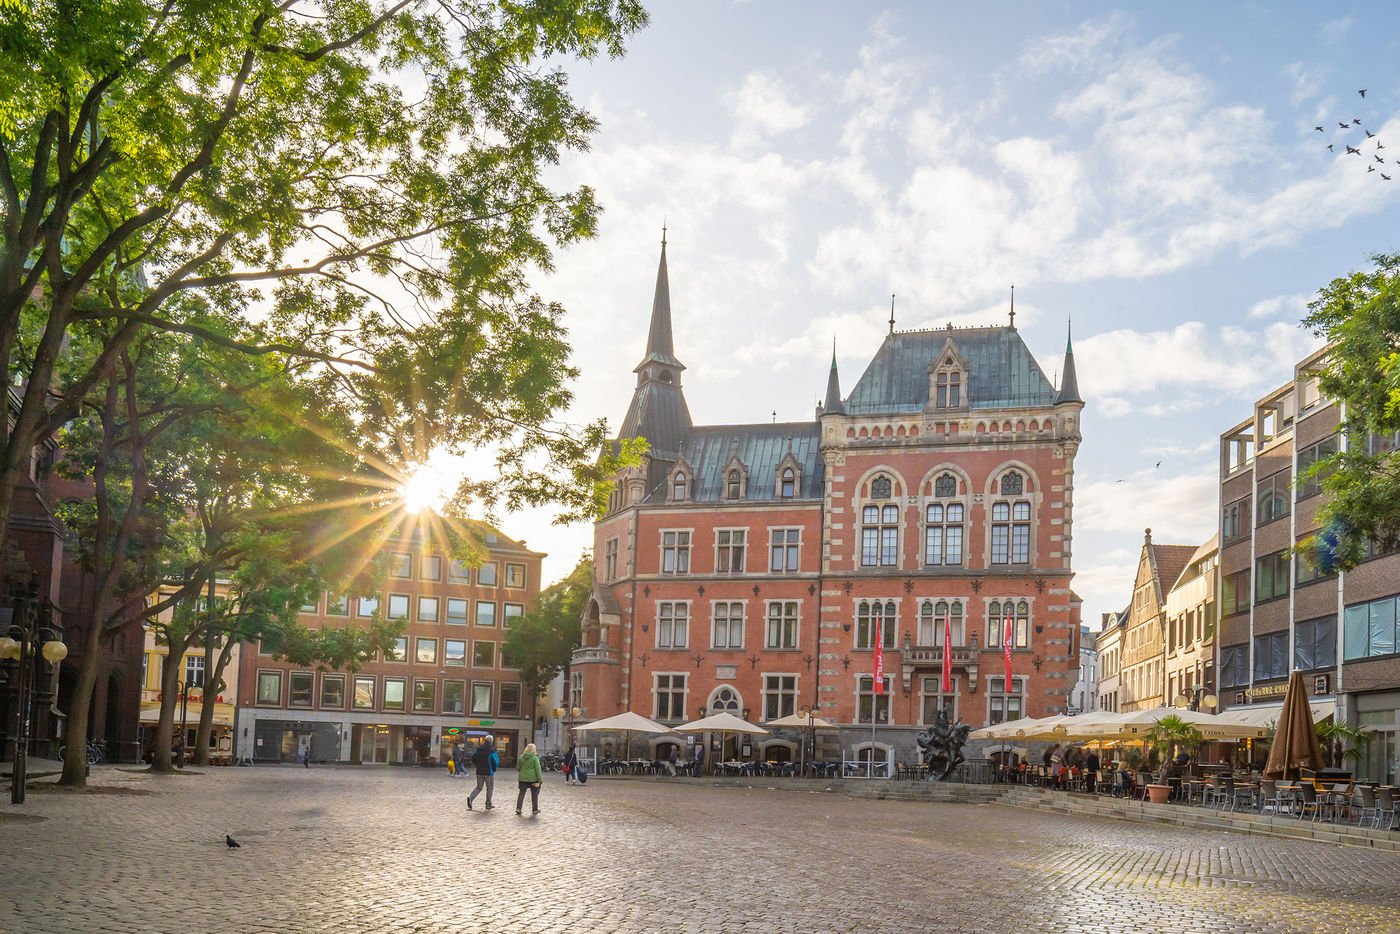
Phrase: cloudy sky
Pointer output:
(1152, 173)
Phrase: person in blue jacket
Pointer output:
(486, 762)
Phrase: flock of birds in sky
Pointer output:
(1356, 150)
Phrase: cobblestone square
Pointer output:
(331, 849)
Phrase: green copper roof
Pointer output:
(1002, 372)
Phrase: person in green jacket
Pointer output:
(530, 775)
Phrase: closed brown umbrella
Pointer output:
(1295, 738)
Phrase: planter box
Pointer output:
(1158, 794)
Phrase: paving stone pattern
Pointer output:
(331, 849)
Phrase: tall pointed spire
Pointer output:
(1069, 383)
(833, 404)
(658, 411)
(660, 346)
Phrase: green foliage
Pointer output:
(1341, 741)
(1168, 732)
(541, 642)
(1359, 315)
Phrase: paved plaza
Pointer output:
(332, 849)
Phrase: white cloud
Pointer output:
(1306, 82)
(1291, 306)
(1335, 30)
(763, 107)
(1179, 508)
(1077, 48)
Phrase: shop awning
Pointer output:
(151, 715)
(1266, 715)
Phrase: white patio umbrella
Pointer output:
(627, 724)
(723, 724)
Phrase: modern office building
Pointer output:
(754, 568)
(1280, 612)
(447, 676)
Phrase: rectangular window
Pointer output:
(1271, 577)
(672, 625)
(1271, 656)
(367, 606)
(364, 692)
(779, 696)
(675, 552)
(868, 700)
(430, 568)
(727, 626)
(943, 533)
(782, 625)
(427, 609)
(425, 651)
(424, 696)
(510, 700)
(484, 655)
(456, 611)
(311, 608)
(333, 692)
(1315, 643)
(401, 565)
(393, 693)
(784, 548)
(454, 652)
(1305, 571)
(1368, 629)
(515, 576)
(729, 550)
(270, 687)
(399, 653)
(1272, 499)
(1234, 521)
(1308, 457)
(670, 697)
(1020, 533)
(485, 613)
(300, 687)
(513, 611)
(454, 694)
(506, 661)
(458, 573)
(398, 606)
(486, 574)
(1004, 705)
(194, 671)
(1234, 593)
(481, 697)
(1001, 535)
(337, 604)
(610, 560)
(1382, 443)
(879, 536)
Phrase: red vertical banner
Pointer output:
(947, 655)
(1006, 650)
(879, 682)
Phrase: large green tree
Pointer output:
(541, 642)
(1359, 315)
(365, 175)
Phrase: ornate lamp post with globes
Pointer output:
(31, 633)
(809, 741)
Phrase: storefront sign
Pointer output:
(481, 723)
(1267, 690)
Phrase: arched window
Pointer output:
(872, 618)
(733, 485)
(948, 387)
(879, 542)
(880, 488)
(788, 484)
(934, 618)
(1018, 615)
(945, 486)
(1012, 484)
(943, 534)
(727, 700)
(678, 486)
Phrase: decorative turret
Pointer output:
(833, 404)
(1069, 383)
(658, 411)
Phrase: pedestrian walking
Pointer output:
(486, 762)
(672, 760)
(571, 767)
(306, 752)
(530, 776)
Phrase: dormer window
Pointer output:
(787, 485)
(678, 486)
(734, 485)
(949, 388)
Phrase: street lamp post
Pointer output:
(30, 633)
(809, 741)
(1193, 698)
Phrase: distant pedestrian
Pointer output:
(530, 776)
(486, 762)
(571, 767)
(1057, 763)
(698, 765)
(672, 760)
(458, 764)
(306, 752)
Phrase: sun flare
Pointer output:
(428, 486)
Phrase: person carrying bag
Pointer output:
(530, 777)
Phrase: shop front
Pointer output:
(1380, 755)
(287, 740)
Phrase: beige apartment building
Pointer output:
(1143, 675)
(1190, 631)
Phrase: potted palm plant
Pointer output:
(1341, 741)
(1166, 736)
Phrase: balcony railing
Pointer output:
(596, 653)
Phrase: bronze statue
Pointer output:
(942, 745)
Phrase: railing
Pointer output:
(961, 654)
(600, 653)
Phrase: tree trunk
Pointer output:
(75, 761)
(213, 677)
(169, 700)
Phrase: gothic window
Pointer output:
(1017, 614)
(1012, 484)
(678, 486)
(880, 488)
(933, 617)
(872, 618)
(945, 486)
(879, 543)
(787, 486)
(1011, 522)
(733, 485)
(948, 386)
(943, 533)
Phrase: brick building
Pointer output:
(1280, 613)
(751, 568)
(1143, 678)
(447, 676)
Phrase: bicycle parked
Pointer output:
(94, 752)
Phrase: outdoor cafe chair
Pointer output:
(1242, 796)
(1270, 799)
(1387, 808)
(1308, 800)
(1369, 808)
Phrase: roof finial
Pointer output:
(663, 231)
(891, 312)
(1013, 306)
